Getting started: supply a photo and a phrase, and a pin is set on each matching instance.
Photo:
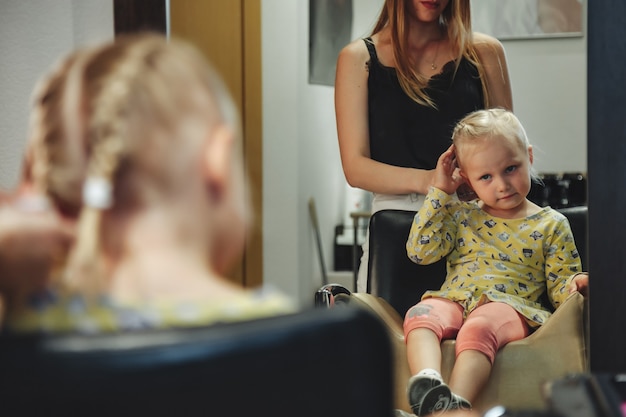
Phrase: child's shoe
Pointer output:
(427, 393)
(436, 401)
(459, 403)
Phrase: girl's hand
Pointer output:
(446, 176)
(580, 283)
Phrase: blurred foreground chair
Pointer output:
(280, 367)
(520, 368)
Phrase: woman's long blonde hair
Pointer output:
(457, 23)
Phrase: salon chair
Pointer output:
(280, 367)
(395, 284)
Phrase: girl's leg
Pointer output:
(470, 374)
(425, 325)
(423, 348)
(485, 331)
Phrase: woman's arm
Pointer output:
(351, 110)
(433, 228)
(493, 59)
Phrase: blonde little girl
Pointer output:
(137, 143)
(503, 253)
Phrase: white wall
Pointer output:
(280, 144)
(33, 34)
(549, 80)
(301, 156)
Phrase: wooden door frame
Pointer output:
(252, 117)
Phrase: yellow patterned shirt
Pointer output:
(514, 261)
(53, 311)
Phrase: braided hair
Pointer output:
(129, 117)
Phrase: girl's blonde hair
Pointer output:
(491, 123)
(48, 164)
(455, 21)
(133, 116)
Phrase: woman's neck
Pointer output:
(424, 44)
(421, 34)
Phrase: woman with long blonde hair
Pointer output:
(400, 91)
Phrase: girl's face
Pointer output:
(427, 11)
(498, 169)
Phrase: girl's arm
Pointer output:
(562, 264)
(433, 230)
(493, 59)
(351, 110)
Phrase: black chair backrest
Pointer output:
(395, 278)
(577, 217)
(282, 366)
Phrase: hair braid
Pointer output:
(105, 133)
(48, 165)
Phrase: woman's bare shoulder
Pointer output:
(355, 50)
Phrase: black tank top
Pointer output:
(406, 134)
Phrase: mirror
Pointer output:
(549, 77)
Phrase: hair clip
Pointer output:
(97, 193)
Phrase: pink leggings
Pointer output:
(486, 329)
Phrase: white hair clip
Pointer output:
(97, 193)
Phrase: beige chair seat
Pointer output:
(521, 367)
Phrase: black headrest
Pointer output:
(393, 276)
(282, 366)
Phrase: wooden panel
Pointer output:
(607, 175)
(253, 128)
(215, 27)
